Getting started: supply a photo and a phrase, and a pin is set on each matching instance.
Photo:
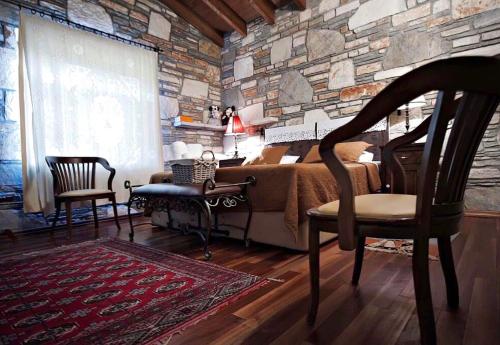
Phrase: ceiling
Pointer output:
(215, 17)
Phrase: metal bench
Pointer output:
(201, 199)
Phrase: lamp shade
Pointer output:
(414, 103)
(235, 126)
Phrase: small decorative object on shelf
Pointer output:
(231, 162)
(228, 112)
(183, 118)
(214, 116)
(235, 128)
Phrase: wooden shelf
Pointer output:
(199, 125)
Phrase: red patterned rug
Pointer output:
(110, 292)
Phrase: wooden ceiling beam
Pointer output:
(192, 18)
(228, 15)
(301, 4)
(265, 8)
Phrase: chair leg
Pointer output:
(446, 258)
(313, 271)
(423, 295)
(56, 217)
(94, 211)
(115, 212)
(358, 260)
(69, 223)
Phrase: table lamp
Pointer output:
(235, 128)
(414, 103)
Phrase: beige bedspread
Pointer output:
(295, 188)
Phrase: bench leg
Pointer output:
(208, 225)
(249, 220)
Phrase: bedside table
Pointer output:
(410, 157)
(231, 162)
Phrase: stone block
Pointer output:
(8, 69)
(368, 68)
(391, 73)
(316, 115)
(360, 91)
(347, 7)
(194, 88)
(327, 5)
(213, 74)
(322, 43)
(234, 97)
(208, 48)
(249, 38)
(373, 10)
(341, 75)
(412, 14)
(169, 107)
(455, 31)
(487, 18)
(159, 26)
(482, 198)
(290, 110)
(243, 68)
(90, 14)
(440, 6)
(465, 8)
(490, 35)
(409, 47)
(465, 41)
(281, 50)
(229, 57)
(294, 89)
(317, 68)
(486, 51)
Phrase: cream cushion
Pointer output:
(377, 206)
(85, 192)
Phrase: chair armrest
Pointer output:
(112, 171)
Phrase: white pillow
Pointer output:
(289, 159)
(366, 157)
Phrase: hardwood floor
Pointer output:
(381, 310)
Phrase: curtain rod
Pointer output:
(70, 23)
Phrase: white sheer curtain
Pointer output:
(84, 95)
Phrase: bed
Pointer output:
(283, 194)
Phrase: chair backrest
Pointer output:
(73, 173)
(477, 81)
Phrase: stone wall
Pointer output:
(189, 67)
(189, 64)
(337, 54)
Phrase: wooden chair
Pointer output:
(74, 180)
(436, 210)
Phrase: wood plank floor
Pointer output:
(380, 311)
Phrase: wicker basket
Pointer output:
(187, 171)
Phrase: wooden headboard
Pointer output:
(376, 138)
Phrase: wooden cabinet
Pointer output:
(410, 157)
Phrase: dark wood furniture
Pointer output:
(74, 180)
(410, 157)
(437, 208)
(200, 199)
(231, 162)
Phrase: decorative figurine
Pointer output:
(214, 115)
(228, 112)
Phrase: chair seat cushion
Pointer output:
(85, 192)
(182, 190)
(377, 206)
